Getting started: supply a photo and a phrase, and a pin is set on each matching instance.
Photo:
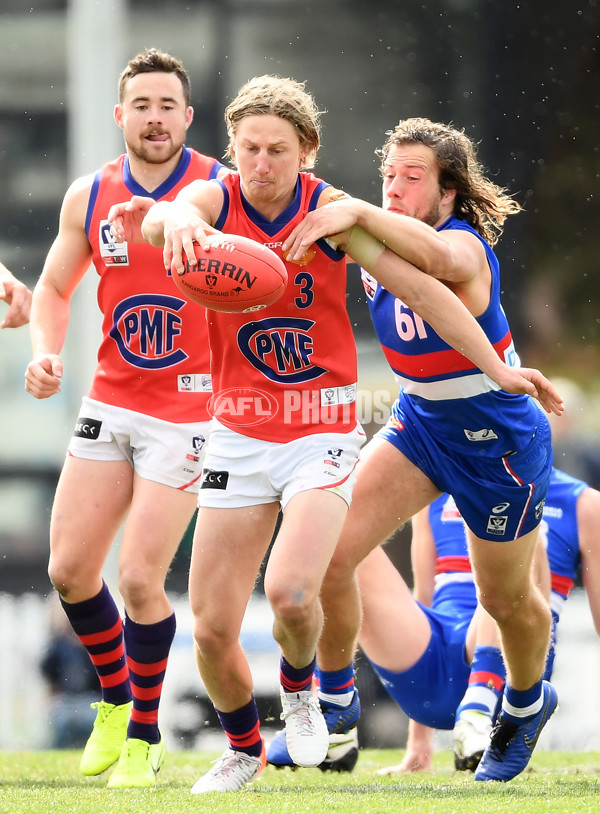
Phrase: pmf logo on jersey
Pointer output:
(281, 348)
(146, 328)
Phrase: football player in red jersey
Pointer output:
(136, 452)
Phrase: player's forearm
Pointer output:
(49, 320)
(407, 237)
(166, 216)
(420, 737)
(153, 225)
(419, 747)
(428, 298)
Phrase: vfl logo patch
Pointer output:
(497, 524)
(198, 442)
(87, 428)
(332, 458)
(480, 435)
(112, 252)
(553, 511)
(308, 256)
(212, 479)
(194, 383)
(281, 349)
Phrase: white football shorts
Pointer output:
(160, 451)
(240, 471)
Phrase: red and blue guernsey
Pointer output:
(154, 356)
(461, 407)
(454, 590)
(289, 370)
(560, 523)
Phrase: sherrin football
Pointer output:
(235, 275)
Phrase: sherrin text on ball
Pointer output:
(235, 275)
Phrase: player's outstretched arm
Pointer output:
(406, 236)
(177, 225)
(67, 262)
(448, 316)
(331, 219)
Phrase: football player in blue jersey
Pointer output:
(451, 429)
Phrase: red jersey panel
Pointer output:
(291, 369)
(154, 355)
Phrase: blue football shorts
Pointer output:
(431, 690)
(499, 498)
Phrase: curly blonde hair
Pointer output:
(481, 203)
(278, 96)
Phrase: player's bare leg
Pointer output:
(507, 590)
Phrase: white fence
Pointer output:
(24, 707)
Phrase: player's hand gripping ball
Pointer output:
(236, 275)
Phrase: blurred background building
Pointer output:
(521, 78)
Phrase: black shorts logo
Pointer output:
(87, 428)
(211, 479)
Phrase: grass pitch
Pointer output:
(49, 782)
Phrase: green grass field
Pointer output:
(49, 782)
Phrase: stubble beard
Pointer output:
(148, 156)
(432, 217)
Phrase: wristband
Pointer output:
(363, 248)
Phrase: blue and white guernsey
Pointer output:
(461, 407)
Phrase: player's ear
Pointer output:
(189, 116)
(303, 155)
(448, 195)
(118, 115)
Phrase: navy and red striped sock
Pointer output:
(242, 728)
(293, 679)
(99, 627)
(147, 648)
